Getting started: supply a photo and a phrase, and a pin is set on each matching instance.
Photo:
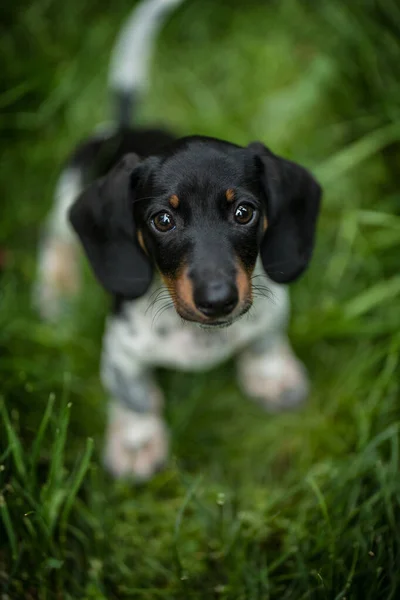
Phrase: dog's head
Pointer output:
(200, 212)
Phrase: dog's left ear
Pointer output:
(292, 197)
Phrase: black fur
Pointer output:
(96, 156)
(124, 104)
(206, 238)
(102, 218)
(292, 197)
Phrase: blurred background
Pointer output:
(252, 506)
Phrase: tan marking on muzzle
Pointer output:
(243, 282)
(174, 201)
(184, 288)
(265, 224)
(180, 287)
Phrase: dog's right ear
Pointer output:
(102, 217)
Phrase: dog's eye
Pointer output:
(163, 221)
(244, 214)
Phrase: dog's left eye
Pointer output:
(163, 221)
(244, 214)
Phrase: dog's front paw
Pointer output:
(136, 444)
(277, 380)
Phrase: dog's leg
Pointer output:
(136, 439)
(270, 373)
(136, 444)
(58, 274)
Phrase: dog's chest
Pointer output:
(155, 335)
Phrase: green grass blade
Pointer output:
(76, 483)
(13, 440)
(37, 443)
(57, 462)
(378, 219)
(351, 156)
(5, 515)
(375, 296)
(178, 523)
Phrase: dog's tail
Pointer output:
(130, 59)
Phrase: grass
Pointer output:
(252, 506)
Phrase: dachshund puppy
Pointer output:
(211, 228)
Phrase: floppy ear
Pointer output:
(293, 198)
(102, 217)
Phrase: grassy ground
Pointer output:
(252, 506)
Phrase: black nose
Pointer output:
(216, 299)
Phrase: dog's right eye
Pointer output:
(244, 214)
(163, 221)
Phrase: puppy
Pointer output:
(193, 238)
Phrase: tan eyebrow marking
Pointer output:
(265, 224)
(230, 194)
(174, 201)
